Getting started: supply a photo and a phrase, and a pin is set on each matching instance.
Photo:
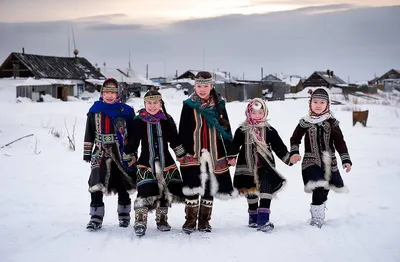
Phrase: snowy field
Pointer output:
(45, 203)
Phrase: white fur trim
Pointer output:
(97, 187)
(162, 186)
(131, 192)
(148, 201)
(187, 191)
(327, 160)
(310, 186)
(206, 158)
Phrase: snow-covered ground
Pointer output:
(44, 202)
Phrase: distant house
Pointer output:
(61, 76)
(323, 78)
(160, 80)
(388, 81)
(131, 82)
(275, 88)
(294, 82)
(218, 76)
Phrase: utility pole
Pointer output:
(69, 45)
(129, 62)
(147, 71)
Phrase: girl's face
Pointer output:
(203, 90)
(109, 97)
(318, 105)
(153, 106)
(257, 114)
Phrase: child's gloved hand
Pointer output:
(347, 166)
(295, 158)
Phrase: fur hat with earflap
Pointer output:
(320, 93)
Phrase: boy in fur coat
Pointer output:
(159, 181)
(319, 166)
(255, 175)
(109, 130)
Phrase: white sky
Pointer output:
(153, 11)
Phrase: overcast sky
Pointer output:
(155, 11)
(356, 42)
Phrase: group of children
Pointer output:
(205, 148)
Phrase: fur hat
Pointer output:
(321, 94)
(108, 85)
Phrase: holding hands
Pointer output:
(295, 158)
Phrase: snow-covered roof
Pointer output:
(291, 80)
(40, 82)
(128, 76)
(95, 81)
(11, 82)
(183, 80)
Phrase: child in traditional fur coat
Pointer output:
(109, 130)
(255, 175)
(319, 167)
(207, 137)
(159, 181)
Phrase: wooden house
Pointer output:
(60, 76)
(323, 78)
(388, 82)
(275, 88)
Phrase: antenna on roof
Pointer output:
(69, 48)
(129, 63)
(76, 51)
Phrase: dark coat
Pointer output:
(319, 165)
(212, 156)
(157, 174)
(107, 168)
(247, 180)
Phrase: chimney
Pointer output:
(328, 72)
(23, 50)
(331, 73)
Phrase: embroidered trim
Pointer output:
(109, 89)
(179, 151)
(304, 124)
(152, 98)
(294, 148)
(344, 157)
(286, 158)
(87, 148)
(203, 81)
